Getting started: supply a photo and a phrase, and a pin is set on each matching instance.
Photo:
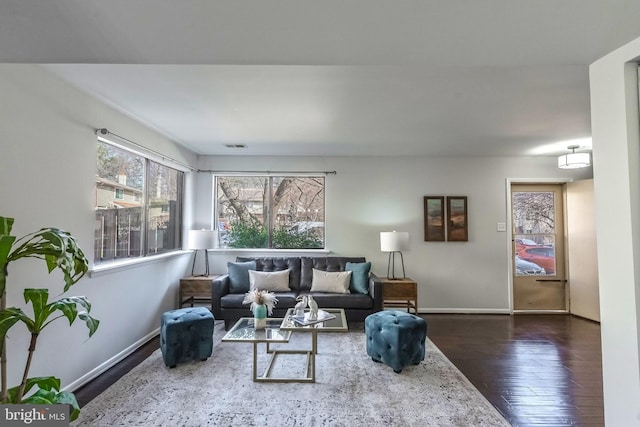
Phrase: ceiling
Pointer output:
(333, 77)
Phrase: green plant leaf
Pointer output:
(39, 399)
(59, 250)
(6, 243)
(48, 395)
(79, 300)
(38, 298)
(8, 318)
(67, 306)
(53, 399)
(5, 225)
(45, 384)
(70, 399)
(92, 323)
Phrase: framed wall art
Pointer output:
(457, 221)
(434, 226)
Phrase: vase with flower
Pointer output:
(262, 304)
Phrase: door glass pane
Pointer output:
(534, 233)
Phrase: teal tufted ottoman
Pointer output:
(186, 334)
(395, 338)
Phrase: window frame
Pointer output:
(146, 255)
(271, 219)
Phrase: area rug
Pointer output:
(350, 390)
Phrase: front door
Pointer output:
(538, 248)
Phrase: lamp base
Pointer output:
(206, 263)
(391, 266)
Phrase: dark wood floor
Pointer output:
(537, 370)
(93, 388)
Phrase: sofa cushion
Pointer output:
(274, 281)
(346, 301)
(324, 264)
(233, 301)
(336, 282)
(278, 264)
(239, 276)
(359, 276)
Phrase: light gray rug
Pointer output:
(351, 390)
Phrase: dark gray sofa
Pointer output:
(228, 306)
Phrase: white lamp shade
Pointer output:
(394, 241)
(574, 160)
(202, 239)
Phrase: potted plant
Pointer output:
(60, 252)
(262, 303)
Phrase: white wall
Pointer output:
(616, 154)
(582, 249)
(370, 194)
(47, 170)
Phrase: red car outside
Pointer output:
(544, 256)
(522, 243)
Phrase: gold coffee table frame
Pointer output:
(279, 331)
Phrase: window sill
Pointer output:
(271, 252)
(112, 267)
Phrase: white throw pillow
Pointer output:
(335, 282)
(274, 281)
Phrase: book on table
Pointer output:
(306, 320)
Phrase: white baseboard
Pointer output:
(111, 362)
(464, 311)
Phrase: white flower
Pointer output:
(260, 297)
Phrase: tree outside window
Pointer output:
(277, 212)
(534, 227)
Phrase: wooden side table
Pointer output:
(195, 289)
(400, 293)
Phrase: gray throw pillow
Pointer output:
(239, 276)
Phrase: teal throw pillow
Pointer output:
(359, 276)
(239, 276)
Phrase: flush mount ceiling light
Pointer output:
(574, 160)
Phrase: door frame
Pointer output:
(509, 237)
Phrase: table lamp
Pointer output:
(394, 242)
(202, 239)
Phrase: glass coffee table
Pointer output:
(244, 331)
(279, 331)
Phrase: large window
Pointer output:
(138, 204)
(278, 212)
